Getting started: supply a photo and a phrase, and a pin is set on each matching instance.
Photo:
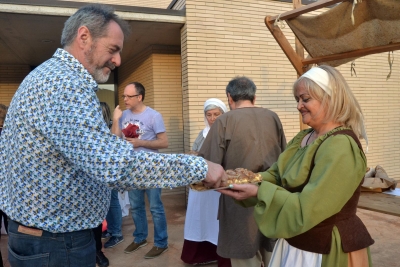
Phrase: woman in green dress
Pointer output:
(308, 198)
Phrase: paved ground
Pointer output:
(385, 229)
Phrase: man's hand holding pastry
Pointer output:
(216, 176)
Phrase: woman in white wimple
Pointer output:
(308, 198)
(201, 224)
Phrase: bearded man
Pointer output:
(59, 159)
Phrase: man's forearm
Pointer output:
(159, 143)
(155, 144)
(150, 144)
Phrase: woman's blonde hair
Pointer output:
(341, 106)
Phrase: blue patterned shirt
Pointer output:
(58, 157)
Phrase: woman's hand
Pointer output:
(241, 191)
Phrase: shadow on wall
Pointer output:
(174, 129)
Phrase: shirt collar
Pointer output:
(77, 67)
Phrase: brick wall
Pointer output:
(223, 39)
(138, 69)
(10, 78)
(185, 92)
(168, 95)
(380, 101)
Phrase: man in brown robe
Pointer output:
(246, 137)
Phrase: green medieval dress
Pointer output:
(339, 168)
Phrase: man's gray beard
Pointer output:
(97, 72)
(99, 76)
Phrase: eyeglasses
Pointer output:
(128, 96)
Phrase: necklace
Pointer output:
(308, 139)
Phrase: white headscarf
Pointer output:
(320, 77)
(216, 102)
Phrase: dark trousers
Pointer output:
(97, 236)
(1, 260)
(3, 217)
(73, 249)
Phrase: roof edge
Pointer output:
(137, 15)
(171, 5)
(77, 5)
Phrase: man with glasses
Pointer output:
(149, 136)
(59, 158)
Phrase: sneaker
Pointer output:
(113, 241)
(105, 235)
(135, 246)
(155, 252)
(101, 260)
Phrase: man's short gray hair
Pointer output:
(96, 18)
(241, 88)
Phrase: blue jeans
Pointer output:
(114, 215)
(73, 249)
(136, 199)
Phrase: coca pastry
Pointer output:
(236, 176)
